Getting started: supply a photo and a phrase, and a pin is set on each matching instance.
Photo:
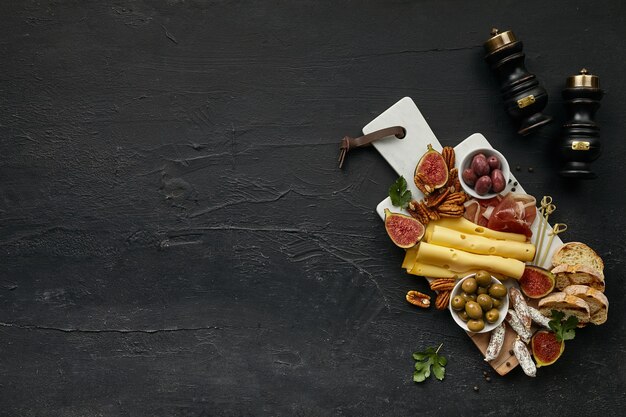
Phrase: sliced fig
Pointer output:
(536, 282)
(546, 349)
(432, 170)
(403, 230)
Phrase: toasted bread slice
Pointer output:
(574, 253)
(567, 275)
(598, 303)
(570, 305)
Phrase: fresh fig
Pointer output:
(536, 282)
(404, 231)
(546, 349)
(432, 170)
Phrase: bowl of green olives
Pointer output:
(479, 302)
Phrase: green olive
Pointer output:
(463, 315)
(475, 325)
(469, 285)
(473, 310)
(492, 315)
(458, 303)
(483, 278)
(496, 302)
(485, 302)
(497, 290)
(482, 290)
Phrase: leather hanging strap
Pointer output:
(348, 142)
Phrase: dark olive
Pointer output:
(463, 315)
(492, 315)
(473, 310)
(475, 325)
(485, 302)
(483, 278)
(497, 290)
(458, 303)
(469, 285)
(482, 290)
(496, 302)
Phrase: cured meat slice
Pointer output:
(515, 214)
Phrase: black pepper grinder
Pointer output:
(580, 139)
(524, 98)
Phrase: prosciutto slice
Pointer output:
(513, 213)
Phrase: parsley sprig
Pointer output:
(564, 330)
(400, 196)
(426, 360)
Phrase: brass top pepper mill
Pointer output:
(580, 140)
(524, 98)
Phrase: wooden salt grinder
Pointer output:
(524, 98)
(580, 138)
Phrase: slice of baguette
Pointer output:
(567, 275)
(568, 304)
(574, 253)
(598, 303)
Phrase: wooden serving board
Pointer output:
(403, 156)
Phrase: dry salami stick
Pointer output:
(513, 319)
(523, 356)
(538, 317)
(520, 307)
(495, 342)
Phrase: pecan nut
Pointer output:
(455, 198)
(443, 284)
(418, 299)
(434, 200)
(448, 155)
(442, 300)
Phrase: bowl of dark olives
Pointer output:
(479, 302)
(484, 173)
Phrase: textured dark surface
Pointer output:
(176, 239)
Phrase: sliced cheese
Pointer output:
(450, 238)
(459, 261)
(432, 271)
(463, 225)
(409, 258)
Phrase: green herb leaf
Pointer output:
(439, 371)
(429, 360)
(400, 196)
(564, 330)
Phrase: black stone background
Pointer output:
(175, 236)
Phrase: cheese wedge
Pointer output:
(460, 261)
(450, 238)
(463, 225)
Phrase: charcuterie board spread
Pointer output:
(485, 247)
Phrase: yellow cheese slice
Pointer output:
(459, 261)
(449, 238)
(432, 271)
(463, 225)
(409, 258)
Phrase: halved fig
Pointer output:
(403, 230)
(546, 349)
(431, 170)
(536, 282)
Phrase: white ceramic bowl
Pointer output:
(504, 307)
(467, 161)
